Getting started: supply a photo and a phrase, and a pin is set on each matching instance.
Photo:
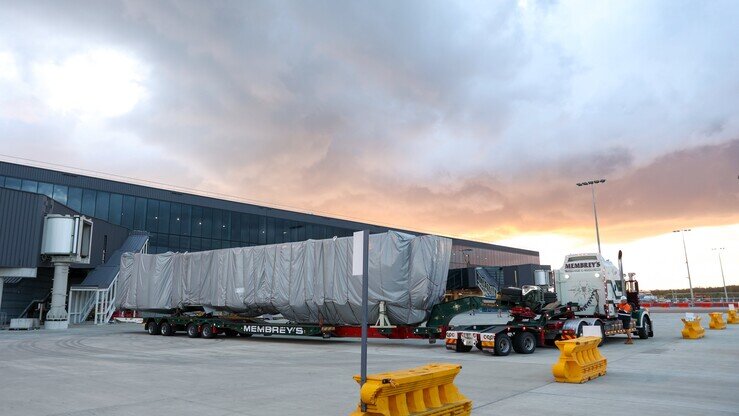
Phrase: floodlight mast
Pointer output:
(592, 184)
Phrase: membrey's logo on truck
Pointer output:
(583, 265)
(277, 330)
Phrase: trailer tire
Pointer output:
(524, 343)
(645, 329)
(207, 331)
(192, 330)
(502, 345)
(152, 328)
(166, 329)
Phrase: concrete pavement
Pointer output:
(121, 370)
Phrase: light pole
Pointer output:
(720, 263)
(690, 282)
(595, 212)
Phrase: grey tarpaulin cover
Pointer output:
(307, 281)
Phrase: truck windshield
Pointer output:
(582, 258)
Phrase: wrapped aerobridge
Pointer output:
(307, 281)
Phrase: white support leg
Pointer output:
(57, 317)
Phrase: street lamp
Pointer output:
(719, 250)
(595, 212)
(690, 282)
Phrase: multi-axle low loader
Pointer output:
(584, 292)
(196, 323)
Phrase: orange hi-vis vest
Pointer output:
(624, 309)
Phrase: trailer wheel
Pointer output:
(524, 343)
(152, 328)
(192, 330)
(166, 329)
(207, 331)
(502, 345)
(645, 329)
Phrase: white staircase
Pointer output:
(97, 294)
(83, 300)
(487, 289)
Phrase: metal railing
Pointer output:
(487, 289)
(84, 300)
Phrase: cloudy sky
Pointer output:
(469, 119)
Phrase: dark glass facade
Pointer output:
(176, 226)
(205, 223)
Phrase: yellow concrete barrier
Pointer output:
(717, 320)
(693, 329)
(428, 390)
(731, 317)
(579, 360)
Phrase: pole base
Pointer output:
(56, 325)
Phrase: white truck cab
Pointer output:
(590, 281)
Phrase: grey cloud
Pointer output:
(467, 113)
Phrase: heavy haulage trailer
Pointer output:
(199, 324)
(309, 284)
(584, 292)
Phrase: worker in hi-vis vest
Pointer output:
(624, 314)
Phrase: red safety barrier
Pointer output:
(685, 305)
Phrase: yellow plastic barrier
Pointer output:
(579, 360)
(693, 329)
(428, 390)
(731, 317)
(717, 320)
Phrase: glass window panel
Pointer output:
(152, 215)
(185, 220)
(60, 194)
(2, 181)
(46, 189)
(139, 217)
(88, 202)
(226, 233)
(262, 230)
(74, 199)
(185, 243)
(207, 223)
(197, 222)
(245, 228)
(174, 243)
(127, 213)
(174, 218)
(102, 204)
(218, 223)
(270, 230)
(196, 244)
(164, 217)
(29, 186)
(280, 232)
(13, 183)
(116, 208)
(234, 226)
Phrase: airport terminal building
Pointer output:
(173, 220)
